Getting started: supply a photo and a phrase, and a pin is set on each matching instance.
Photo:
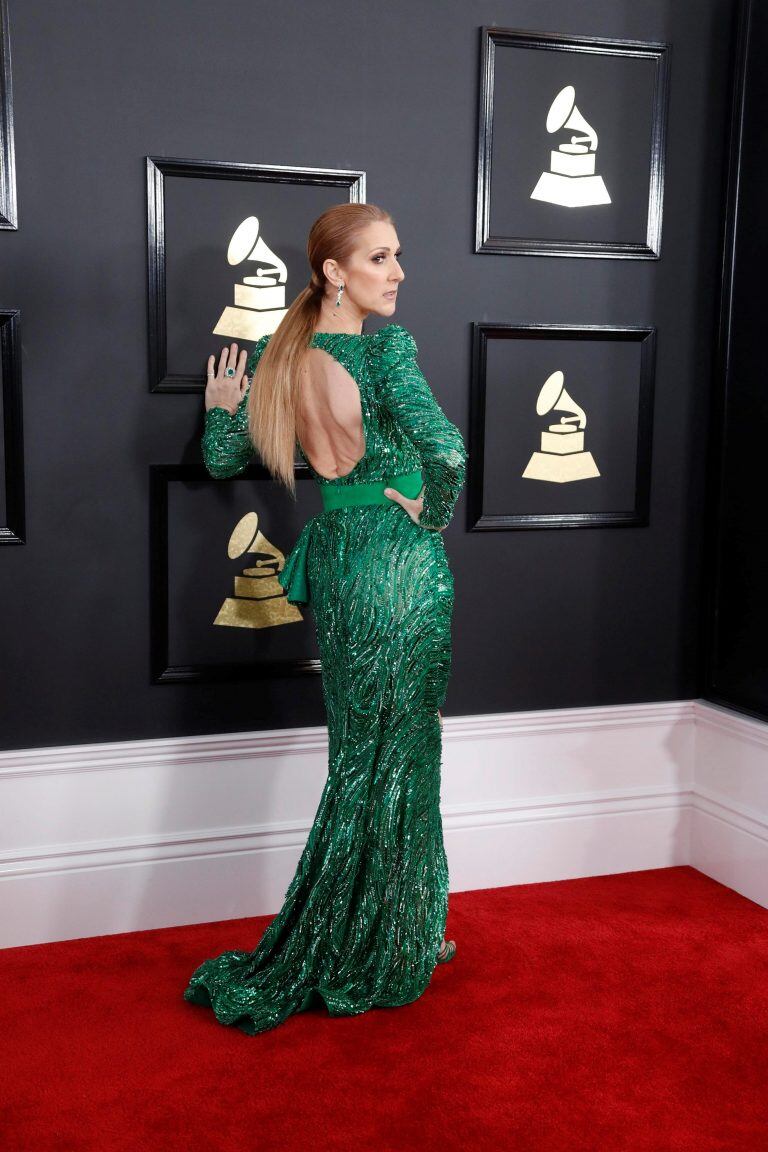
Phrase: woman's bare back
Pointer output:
(329, 423)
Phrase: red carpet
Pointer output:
(613, 1013)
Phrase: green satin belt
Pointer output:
(371, 491)
(293, 576)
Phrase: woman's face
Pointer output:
(372, 275)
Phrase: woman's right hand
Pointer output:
(226, 391)
(413, 506)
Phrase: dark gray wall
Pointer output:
(543, 618)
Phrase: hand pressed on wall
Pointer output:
(223, 391)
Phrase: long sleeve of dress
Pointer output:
(226, 445)
(406, 394)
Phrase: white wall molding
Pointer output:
(132, 754)
(729, 831)
(103, 838)
(718, 719)
(267, 837)
(747, 819)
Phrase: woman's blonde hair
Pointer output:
(274, 394)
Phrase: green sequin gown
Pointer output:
(364, 916)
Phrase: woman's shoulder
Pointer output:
(258, 348)
(393, 341)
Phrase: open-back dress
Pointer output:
(364, 915)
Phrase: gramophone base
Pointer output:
(250, 613)
(571, 191)
(561, 469)
(245, 324)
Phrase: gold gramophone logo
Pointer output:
(571, 180)
(562, 457)
(259, 299)
(259, 600)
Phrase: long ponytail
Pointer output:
(274, 392)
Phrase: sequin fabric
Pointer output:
(364, 915)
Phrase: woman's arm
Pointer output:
(226, 445)
(405, 393)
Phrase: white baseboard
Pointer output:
(105, 838)
(729, 835)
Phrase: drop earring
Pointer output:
(338, 298)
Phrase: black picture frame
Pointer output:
(9, 217)
(161, 169)
(162, 669)
(498, 109)
(479, 519)
(12, 496)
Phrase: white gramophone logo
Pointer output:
(259, 300)
(571, 180)
(562, 457)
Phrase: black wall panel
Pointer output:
(737, 618)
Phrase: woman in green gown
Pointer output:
(363, 919)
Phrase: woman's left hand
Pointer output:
(412, 506)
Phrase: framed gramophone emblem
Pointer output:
(226, 255)
(561, 426)
(571, 145)
(218, 611)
